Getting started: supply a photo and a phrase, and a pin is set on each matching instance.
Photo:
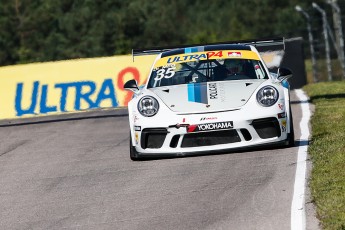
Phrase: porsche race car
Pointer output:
(209, 98)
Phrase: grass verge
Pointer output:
(327, 151)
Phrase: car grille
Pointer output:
(267, 127)
(153, 138)
(210, 138)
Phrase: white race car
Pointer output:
(209, 98)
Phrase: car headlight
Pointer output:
(267, 96)
(148, 106)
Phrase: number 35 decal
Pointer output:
(165, 73)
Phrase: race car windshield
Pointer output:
(209, 70)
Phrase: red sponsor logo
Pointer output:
(234, 54)
(281, 106)
(215, 54)
(191, 128)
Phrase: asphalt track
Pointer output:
(76, 174)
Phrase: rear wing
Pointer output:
(260, 44)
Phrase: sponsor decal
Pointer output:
(137, 128)
(64, 91)
(281, 106)
(136, 138)
(221, 92)
(194, 57)
(136, 118)
(281, 115)
(210, 126)
(182, 58)
(164, 67)
(212, 87)
(83, 91)
(215, 54)
(284, 125)
(234, 54)
(197, 93)
(208, 118)
(165, 73)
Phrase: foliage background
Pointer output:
(50, 30)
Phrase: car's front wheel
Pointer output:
(291, 135)
(133, 153)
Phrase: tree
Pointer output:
(48, 30)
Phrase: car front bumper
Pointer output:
(174, 136)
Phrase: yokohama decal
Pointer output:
(210, 126)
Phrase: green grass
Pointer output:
(322, 70)
(327, 151)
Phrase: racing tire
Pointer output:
(291, 136)
(133, 153)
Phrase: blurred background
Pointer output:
(49, 30)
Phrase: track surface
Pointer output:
(77, 175)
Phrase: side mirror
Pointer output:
(284, 74)
(131, 85)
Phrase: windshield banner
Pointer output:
(222, 54)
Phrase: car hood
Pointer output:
(207, 96)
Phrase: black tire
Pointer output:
(291, 135)
(133, 153)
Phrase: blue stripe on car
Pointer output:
(191, 95)
(193, 49)
(197, 93)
